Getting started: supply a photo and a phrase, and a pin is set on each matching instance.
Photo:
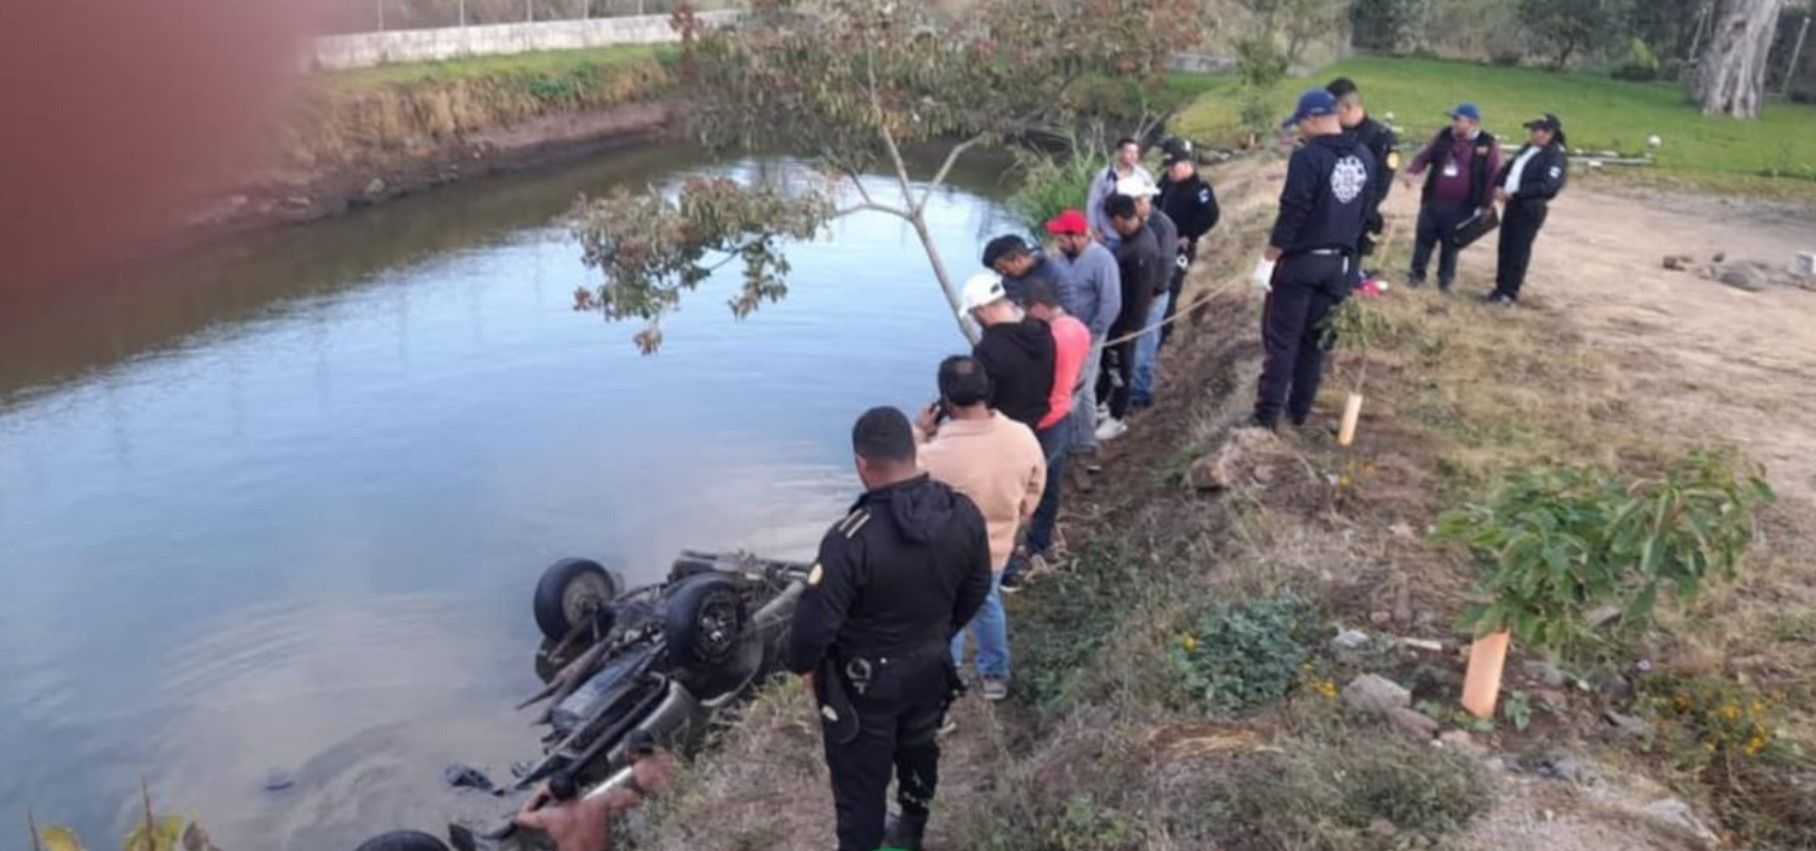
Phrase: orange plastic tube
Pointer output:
(1482, 682)
(1352, 412)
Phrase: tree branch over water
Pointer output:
(848, 84)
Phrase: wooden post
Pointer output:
(1790, 72)
(1352, 412)
(1482, 681)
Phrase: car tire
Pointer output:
(403, 840)
(704, 620)
(569, 590)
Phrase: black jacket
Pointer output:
(1018, 357)
(1380, 140)
(1543, 178)
(1328, 192)
(897, 577)
(1192, 204)
(1140, 264)
(1044, 269)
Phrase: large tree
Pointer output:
(1730, 77)
(849, 84)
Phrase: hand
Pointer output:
(1406, 181)
(1272, 254)
(927, 423)
(1263, 276)
(1501, 195)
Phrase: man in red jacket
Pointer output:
(1071, 346)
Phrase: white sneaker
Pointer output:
(1111, 429)
(1103, 412)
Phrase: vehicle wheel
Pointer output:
(403, 840)
(570, 591)
(690, 565)
(704, 621)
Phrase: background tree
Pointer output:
(1566, 29)
(1730, 77)
(1380, 24)
(849, 84)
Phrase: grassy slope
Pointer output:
(357, 116)
(1600, 113)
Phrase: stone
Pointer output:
(375, 188)
(1542, 671)
(1350, 639)
(1750, 280)
(1383, 828)
(1413, 723)
(1461, 742)
(1674, 813)
(1563, 766)
(1380, 617)
(1601, 616)
(1627, 726)
(1235, 464)
(1497, 765)
(1376, 694)
(1612, 686)
(1551, 699)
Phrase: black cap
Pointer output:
(1545, 122)
(1003, 246)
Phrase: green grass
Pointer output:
(1599, 114)
(543, 64)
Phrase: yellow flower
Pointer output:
(1190, 643)
(1730, 712)
(1755, 745)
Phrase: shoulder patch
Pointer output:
(1204, 195)
(1557, 171)
(816, 574)
(1393, 160)
(856, 522)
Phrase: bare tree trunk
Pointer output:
(1731, 78)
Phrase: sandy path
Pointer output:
(1724, 363)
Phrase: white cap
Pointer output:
(983, 288)
(1136, 186)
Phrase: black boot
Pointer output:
(904, 831)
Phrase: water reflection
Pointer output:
(281, 507)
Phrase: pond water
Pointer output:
(277, 509)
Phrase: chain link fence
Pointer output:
(361, 16)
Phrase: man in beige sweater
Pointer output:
(998, 464)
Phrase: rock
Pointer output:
(1461, 742)
(1497, 765)
(1376, 694)
(1402, 530)
(1560, 765)
(1235, 464)
(1554, 700)
(1627, 726)
(375, 188)
(1380, 618)
(1413, 723)
(1402, 606)
(1383, 828)
(1674, 813)
(1350, 639)
(1601, 616)
(1543, 671)
(1743, 278)
(1612, 686)
(1720, 257)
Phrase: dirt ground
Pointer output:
(1716, 361)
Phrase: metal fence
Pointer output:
(359, 16)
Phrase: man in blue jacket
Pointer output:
(1310, 256)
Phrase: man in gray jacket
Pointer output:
(1094, 296)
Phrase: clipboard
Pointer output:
(1476, 226)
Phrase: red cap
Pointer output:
(1068, 221)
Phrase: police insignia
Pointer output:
(1556, 171)
(815, 575)
(1393, 160)
(1347, 179)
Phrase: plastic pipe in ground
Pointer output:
(1352, 412)
(1482, 682)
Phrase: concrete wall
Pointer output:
(363, 50)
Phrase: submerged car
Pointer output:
(626, 668)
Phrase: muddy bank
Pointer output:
(292, 196)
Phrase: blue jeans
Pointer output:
(992, 629)
(1147, 350)
(1056, 444)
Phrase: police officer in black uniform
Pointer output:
(1191, 202)
(1526, 186)
(1312, 252)
(1380, 141)
(895, 580)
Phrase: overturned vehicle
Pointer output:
(626, 668)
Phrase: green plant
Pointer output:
(1641, 63)
(1260, 66)
(1552, 544)
(1517, 709)
(1356, 327)
(150, 832)
(1238, 657)
(1049, 186)
(1714, 721)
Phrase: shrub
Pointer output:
(1326, 794)
(1239, 657)
(1554, 544)
(1380, 24)
(1641, 63)
(1049, 186)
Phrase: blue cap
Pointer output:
(1312, 104)
(1467, 110)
